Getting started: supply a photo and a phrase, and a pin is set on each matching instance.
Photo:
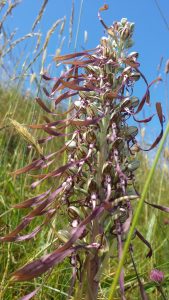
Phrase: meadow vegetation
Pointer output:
(152, 223)
(15, 153)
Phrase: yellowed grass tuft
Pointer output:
(22, 130)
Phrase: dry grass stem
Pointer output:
(39, 17)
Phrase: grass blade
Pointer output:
(39, 17)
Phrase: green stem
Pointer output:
(160, 289)
(137, 215)
(93, 260)
(66, 132)
(78, 25)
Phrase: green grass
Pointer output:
(14, 154)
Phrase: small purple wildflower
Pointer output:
(156, 275)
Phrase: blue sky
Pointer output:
(151, 34)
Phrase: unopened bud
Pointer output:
(134, 165)
(125, 33)
(123, 21)
(71, 145)
(134, 101)
(127, 70)
(135, 76)
(133, 55)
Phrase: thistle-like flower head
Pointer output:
(156, 275)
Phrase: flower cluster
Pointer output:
(97, 186)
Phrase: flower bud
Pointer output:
(72, 170)
(82, 151)
(63, 235)
(133, 55)
(75, 213)
(127, 70)
(77, 103)
(103, 41)
(92, 186)
(125, 103)
(132, 25)
(133, 165)
(134, 101)
(71, 145)
(131, 131)
(123, 21)
(125, 33)
(135, 148)
(135, 76)
(89, 136)
(116, 25)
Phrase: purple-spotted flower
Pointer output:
(96, 186)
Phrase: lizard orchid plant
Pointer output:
(97, 183)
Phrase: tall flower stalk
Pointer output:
(97, 183)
